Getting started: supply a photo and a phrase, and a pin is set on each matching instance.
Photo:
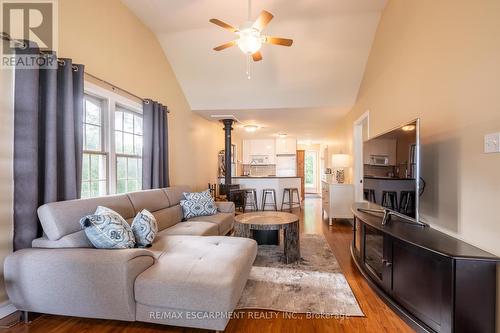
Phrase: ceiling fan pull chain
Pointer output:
(249, 76)
(249, 9)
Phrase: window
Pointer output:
(128, 143)
(94, 161)
(112, 143)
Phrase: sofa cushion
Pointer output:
(144, 228)
(108, 230)
(224, 221)
(62, 218)
(151, 200)
(197, 273)
(192, 229)
(192, 208)
(175, 194)
(205, 195)
(165, 218)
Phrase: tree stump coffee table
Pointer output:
(289, 223)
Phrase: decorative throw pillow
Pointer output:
(192, 208)
(144, 228)
(106, 229)
(205, 195)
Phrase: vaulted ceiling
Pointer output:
(301, 90)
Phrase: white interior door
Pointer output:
(360, 134)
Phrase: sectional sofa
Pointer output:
(192, 276)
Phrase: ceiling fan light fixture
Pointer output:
(249, 41)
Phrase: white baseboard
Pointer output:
(6, 308)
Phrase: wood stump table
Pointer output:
(289, 223)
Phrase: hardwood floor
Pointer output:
(379, 317)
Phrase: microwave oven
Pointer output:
(380, 160)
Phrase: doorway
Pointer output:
(360, 134)
(311, 170)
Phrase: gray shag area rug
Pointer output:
(313, 285)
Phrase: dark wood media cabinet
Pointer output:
(435, 282)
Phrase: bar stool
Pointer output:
(290, 203)
(251, 199)
(265, 193)
(407, 202)
(390, 200)
(369, 195)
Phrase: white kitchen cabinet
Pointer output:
(286, 146)
(259, 148)
(337, 200)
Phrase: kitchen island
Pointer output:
(268, 182)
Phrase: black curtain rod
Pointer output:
(5, 36)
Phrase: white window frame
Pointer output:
(110, 101)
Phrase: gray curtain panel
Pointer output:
(155, 145)
(48, 142)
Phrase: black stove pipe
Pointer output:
(227, 151)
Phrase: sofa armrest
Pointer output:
(225, 206)
(92, 283)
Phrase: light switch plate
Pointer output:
(492, 143)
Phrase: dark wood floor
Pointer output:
(379, 318)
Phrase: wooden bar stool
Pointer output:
(290, 203)
(390, 200)
(272, 193)
(251, 199)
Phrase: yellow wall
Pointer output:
(439, 60)
(115, 46)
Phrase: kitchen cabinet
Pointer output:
(286, 146)
(259, 148)
(384, 147)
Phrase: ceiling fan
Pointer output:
(250, 36)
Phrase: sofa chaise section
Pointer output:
(199, 279)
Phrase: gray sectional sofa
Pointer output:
(192, 276)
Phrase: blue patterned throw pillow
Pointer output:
(205, 195)
(144, 228)
(192, 208)
(106, 229)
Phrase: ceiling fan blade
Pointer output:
(257, 56)
(223, 25)
(225, 46)
(263, 20)
(279, 41)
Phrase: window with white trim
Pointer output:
(112, 143)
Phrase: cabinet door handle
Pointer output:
(387, 263)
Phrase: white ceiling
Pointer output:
(299, 90)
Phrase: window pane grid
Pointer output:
(94, 175)
(128, 174)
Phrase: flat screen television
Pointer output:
(391, 171)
